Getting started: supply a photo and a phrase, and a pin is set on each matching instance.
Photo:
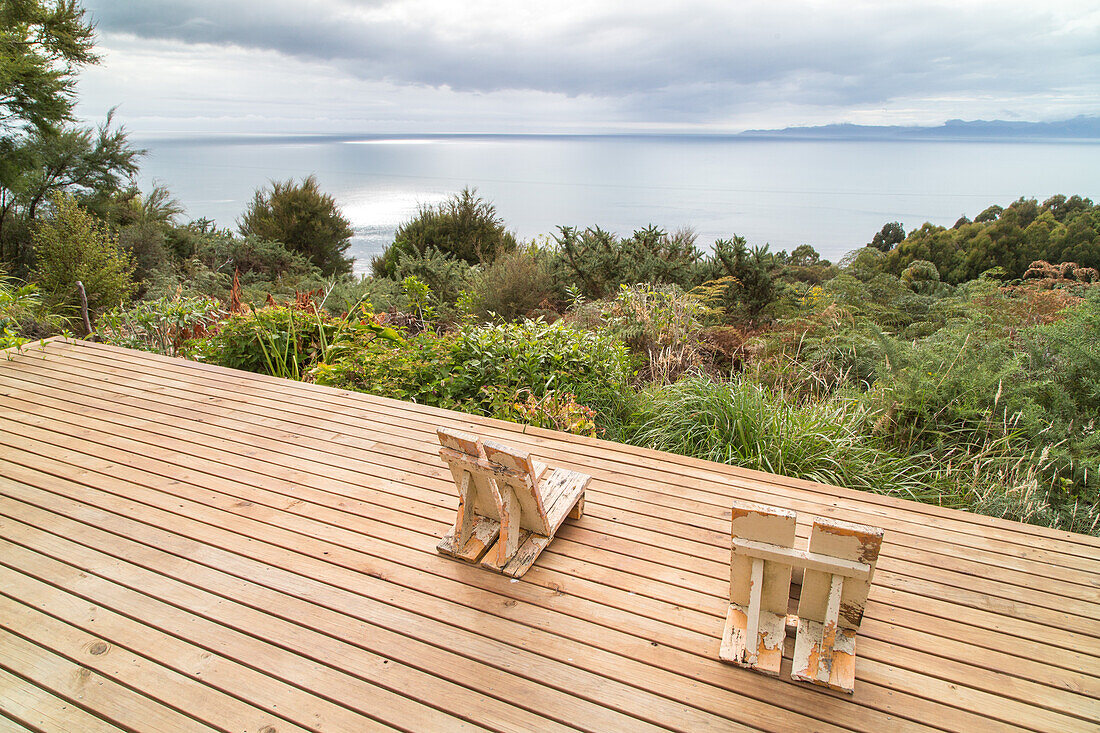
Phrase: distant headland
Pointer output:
(1081, 127)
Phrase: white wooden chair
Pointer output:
(837, 570)
(510, 506)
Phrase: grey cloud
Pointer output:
(683, 58)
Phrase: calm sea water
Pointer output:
(833, 195)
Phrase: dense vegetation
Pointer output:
(956, 366)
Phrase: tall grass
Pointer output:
(746, 424)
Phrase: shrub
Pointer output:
(445, 275)
(541, 357)
(70, 245)
(307, 221)
(599, 262)
(662, 326)
(280, 341)
(163, 326)
(518, 284)
(417, 369)
(23, 316)
(464, 227)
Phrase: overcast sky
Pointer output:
(513, 66)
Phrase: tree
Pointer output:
(92, 164)
(42, 44)
(891, 235)
(72, 245)
(305, 220)
(464, 226)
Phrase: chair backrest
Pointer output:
(767, 525)
(468, 456)
(519, 476)
(760, 580)
(842, 540)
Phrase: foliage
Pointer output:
(21, 309)
(542, 357)
(748, 425)
(70, 246)
(416, 370)
(445, 275)
(288, 342)
(662, 326)
(891, 235)
(307, 221)
(517, 285)
(554, 410)
(89, 164)
(464, 227)
(163, 326)
(505, 370)
(599, 262)
(748, 286)
(43, 44)
(1059, 230)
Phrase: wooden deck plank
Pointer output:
(991, 590)
(942, 712)
(1008, 606)
(32, 708)
(88, 688)
(604, 689)
(213, 420)
(121, 662)
(259, 514)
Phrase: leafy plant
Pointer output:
(304, 219)
(163, 326)
(70, 246)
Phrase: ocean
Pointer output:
(832, 194)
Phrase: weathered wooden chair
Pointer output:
(509, 505)
(837, 571)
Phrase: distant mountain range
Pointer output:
(1079, 128)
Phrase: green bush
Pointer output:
(464, 227)
(540, 357)
(445, 275)
(599, 262)
(23, 316)
(280, 341)
(517, 285)
(70, 245)
(504, 371)
(307, 221)
(417, 370)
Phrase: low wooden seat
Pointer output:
(837, 569)
(509, 506)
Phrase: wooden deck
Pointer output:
(184, 547)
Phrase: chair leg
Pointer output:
(578, 509)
